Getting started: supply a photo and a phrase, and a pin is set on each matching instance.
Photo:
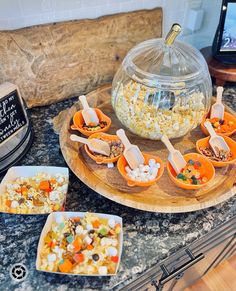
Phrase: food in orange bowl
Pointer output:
(225, 127)
(122, 165)
(198, 172)
(116, 147)
(203, 147)
(79, 124)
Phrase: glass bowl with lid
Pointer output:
(163, 86)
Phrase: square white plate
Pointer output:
(29, 171)
(52, 217)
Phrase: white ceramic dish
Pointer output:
(51, 218)
(29, 171)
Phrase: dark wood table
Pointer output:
(220, 72)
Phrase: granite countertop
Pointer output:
(148, 237)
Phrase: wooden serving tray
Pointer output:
(161, 197)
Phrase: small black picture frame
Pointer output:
(218, 50)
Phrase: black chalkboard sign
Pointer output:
(12, 115)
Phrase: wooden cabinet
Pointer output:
(188, 265)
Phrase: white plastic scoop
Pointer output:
(175, 157)
(218, 109)
(131, 153)
(94, 144)
(88, 113)
(216, 142)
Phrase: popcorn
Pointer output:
(41, 193)
(102, 270)
(151, 117)
(67, 252)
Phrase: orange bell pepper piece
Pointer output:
(66, 266)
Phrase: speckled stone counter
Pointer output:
(148, 237)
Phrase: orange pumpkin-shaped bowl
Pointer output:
(98, 159)
(227, 117)
(207, 170)
(122, 163)
(204, 142)
(78, 122)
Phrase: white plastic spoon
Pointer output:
(175, 157)
(88, 113)
(218, 109)
(216, 142)
(131, 153)
(94, 144)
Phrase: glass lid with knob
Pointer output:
(162, 86)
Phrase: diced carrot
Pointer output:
(8, 203)
(79, 258)
(115, 259)
(44, 185)
(89, 247)
(96, 223)
(77, 243)
(66, 266)
(18, 190)
(53, 181)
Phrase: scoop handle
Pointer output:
(210, 128)
(121, 134)
(84, 102)
(83, 140)
(219, 94)
(167, 143)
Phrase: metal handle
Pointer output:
(172, 34)
(167, 276)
